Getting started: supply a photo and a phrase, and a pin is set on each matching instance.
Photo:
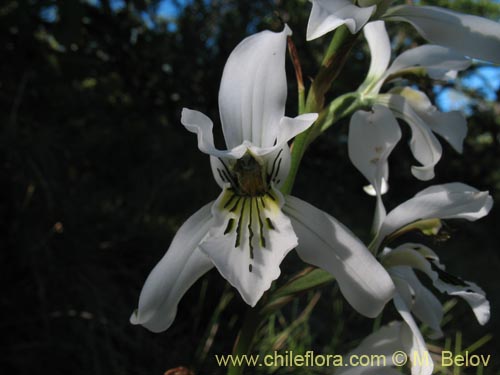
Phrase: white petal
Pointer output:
(423, 303)
(249, 239)
(472, 294)
(420, 257)
(181, 266)
(380, 50)
(290, 127)
(372, 137)
(413, 341)
(384, 342)
(437, 60)
(325, 243)
(423, 144)
(370, 189)
(253, 90)
(196, 122)
(327, 15)
(448, 201)
(278, 165)
(470, 35)
(452, 126)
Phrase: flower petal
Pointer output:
(423, 144)
(437, 61)
(372, 137)
(384, 342)
(253, 90)
(181, 266)
(278, 165)
(380, 51)
(472, 294)
(470, 35)
(290, 127)
(249, 239)
(327, 15)
(422, 302)
(325, 243)
(413, 341)
(196, 122)
(448, 201)
(424, 259)
(452, 126)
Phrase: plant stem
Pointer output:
(333, 62)
(244, 342)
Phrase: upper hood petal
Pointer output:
(181, 266)
(470, 35)
(325, 243)
(327, 15)
(253, 90)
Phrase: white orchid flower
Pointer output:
(448, 201)
(252, 226)
(370, 153)
(389, 339)
(469, 35)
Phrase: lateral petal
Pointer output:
(180, 267)
(325, 243)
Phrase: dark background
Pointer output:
(97, 174)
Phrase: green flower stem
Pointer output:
(341, 107)
(332, 64)
(301, 91)
(306, 280)
(244, 342)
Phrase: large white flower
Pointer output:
(373, 135)
(251, 226)
(469, 35)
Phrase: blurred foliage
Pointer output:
(98, 174)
